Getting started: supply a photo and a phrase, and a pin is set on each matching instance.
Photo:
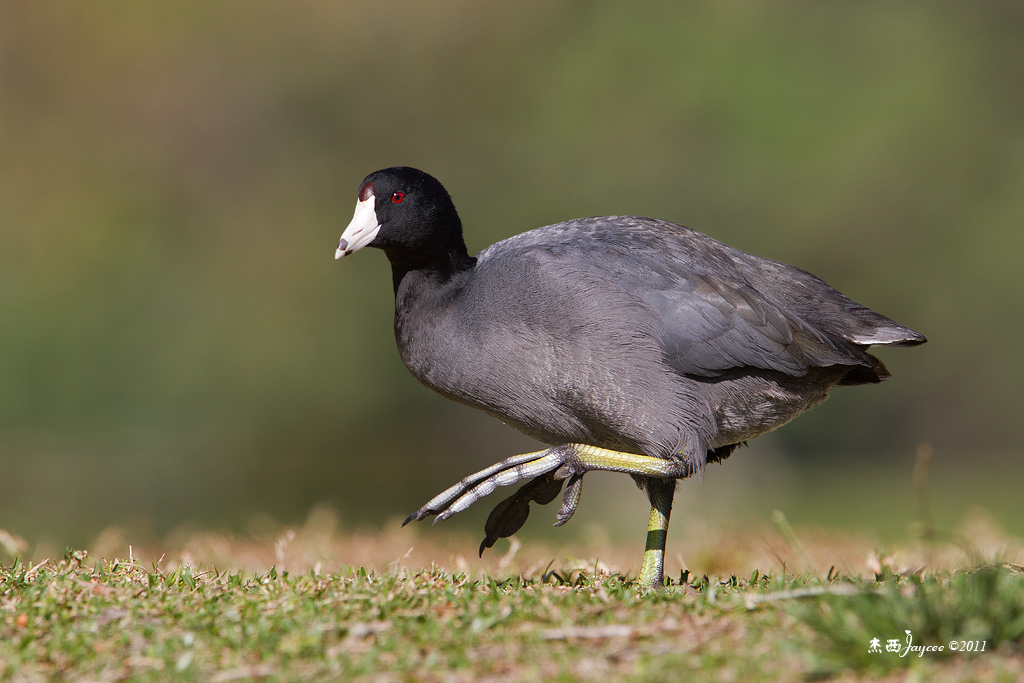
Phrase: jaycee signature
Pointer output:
(919, 649)
(893, 645)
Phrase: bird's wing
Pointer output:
(712, 324)
(693, 291)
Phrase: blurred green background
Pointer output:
(178, 345)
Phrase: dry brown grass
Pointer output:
(323, 543)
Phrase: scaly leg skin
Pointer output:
(476, 486)
(564, 461)
(652, 571)
(548, 469)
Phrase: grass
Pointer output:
(981, 608)
(81, 617)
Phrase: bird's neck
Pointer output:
(424, 306)
(432, 269)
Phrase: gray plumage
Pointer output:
(634, 335)
(637, 335)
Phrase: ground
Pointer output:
(319, 603)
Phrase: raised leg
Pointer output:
(474, 487)
(548, 469)
(660, 492)
(562, 461)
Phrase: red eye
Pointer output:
(398, 197)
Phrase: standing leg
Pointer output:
(660, 493)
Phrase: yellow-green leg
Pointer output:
(574, 458)
(660, 492)
(569, 461)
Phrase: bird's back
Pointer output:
(718, 308)
(636, 334)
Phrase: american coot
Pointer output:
(628, 344)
